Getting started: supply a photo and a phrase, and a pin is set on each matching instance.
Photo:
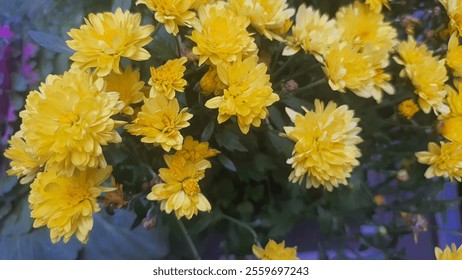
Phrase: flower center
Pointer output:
(69, 118)
(76, 194)
(169, 126)
(191, 187)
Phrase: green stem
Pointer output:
(189, 241)
(312, 85)
(244, 225)
(283, 66)
(178, 44)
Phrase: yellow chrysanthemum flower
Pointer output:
(107, 37)
(429, 79)
(216, 41)
(408, 108)
(451, 127)
(275, 251)
(66, 204)
(172, 13)
(180, 192)
(427, 74)
(268, 17)
(380, 80)
(69, 120)
(453, 57)
(24, 163)
(325, 145)
(361, 27)
(454, 10)
(312, 32)
(411, 53)
(160, 121)
(346, 67)
(444, 161)
(376, 5)
(199, 3)
(129, 87)
(211, 83)
(248, 93)
(168, 78)
(196, 151)
(452, 253)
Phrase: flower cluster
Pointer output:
(354, 47)
(161, 105)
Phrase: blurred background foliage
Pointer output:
(247, 186)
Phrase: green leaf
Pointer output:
(123, 4)
(230, 141)
(245, 209)
(226, 162)
(51, 42)
(208, 131)
(37, 246)
(7, 183)
(282, 145)
(276, 118)
(18, 221)
(113, 238)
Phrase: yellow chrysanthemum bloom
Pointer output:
(199, 3)
(211, 83)
(66, 204)
(361, 27)
(451, 127)
(128, 85)
(24, 163)
(380, 80)
(168, 78)
(312, 32)
(172, 13)
(408, 108)
(346, 67)
(325, 145)
(411, 53)
(454, 10)
(180, 192)
(452, 253)
(427, 74)
(196, 151)
(160, 121)
(248, 93)
(216, 41)
(429, 79)
(453, 57)
(376, 5)
(275, 251)
(268, 17)
(68, 120)
(107, 37)
(444, 161)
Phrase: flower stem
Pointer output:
(244, 225)
(189, 240)
(312, 85)
(283, 66)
